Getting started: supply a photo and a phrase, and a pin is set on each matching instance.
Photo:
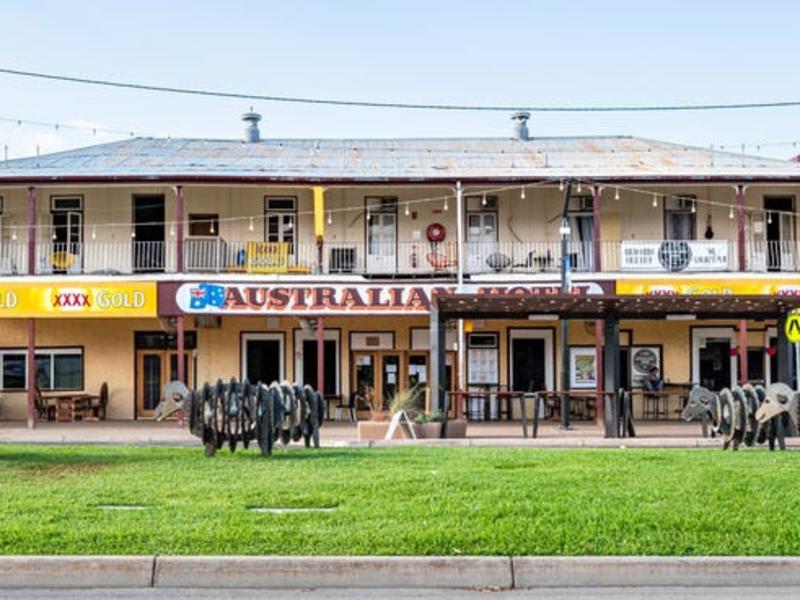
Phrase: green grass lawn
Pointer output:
(400, 501)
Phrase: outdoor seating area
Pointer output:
(71, 406)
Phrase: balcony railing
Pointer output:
(399, 259)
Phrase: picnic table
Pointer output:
(475, 405)
(661, 404)
(69, 406)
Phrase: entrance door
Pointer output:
(381, 242)
(280, 214)
(67, 226)
(481, 239)
(148, 230)
(364, 376)
(262, 357)
(155, 369)
(310, 364)
(528, 364)
(417, 377)
(780, 233)
(390, 378)
(715, 364)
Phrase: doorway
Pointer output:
(381, 223)
(262, 357)
(780, 233)
(714, 366)
(148, 234)
(530, 359)
(156, 364)
(66, 223)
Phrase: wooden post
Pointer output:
(179, 211)
(611, 378)
(320, 356)
(740, 238)
(31, 230)
(600, 387)
(742, 351)
(596, 245)
(181, 347)
(31, 370)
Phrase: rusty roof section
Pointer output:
(432, 160)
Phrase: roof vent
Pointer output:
(251, 132)
(521, 124)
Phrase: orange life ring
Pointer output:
(436, 232)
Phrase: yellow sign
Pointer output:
(792, 328)
(76, 299)
(707, 286)
(319, 212)
(267, 257)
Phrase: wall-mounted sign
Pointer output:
(345, 299)
(75, 299)
(267, 257)
(675, 255)
(712, 287)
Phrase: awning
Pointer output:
(510, 306)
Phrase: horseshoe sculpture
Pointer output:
(242, 412)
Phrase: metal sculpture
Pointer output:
(746, 415)
(237, 411)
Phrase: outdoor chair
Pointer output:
(98, 405)
(346, 403)
(43, 411)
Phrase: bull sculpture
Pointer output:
(242, 412)
(746, 415)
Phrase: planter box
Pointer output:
(376, 430)
(457, 429)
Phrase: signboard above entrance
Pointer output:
(675, 255)
(76, 299)
(340, 299)
(711, 287)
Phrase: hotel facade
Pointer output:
(146, 260)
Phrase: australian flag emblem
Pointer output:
(205, 295)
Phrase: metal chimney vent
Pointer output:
(251, 132)
(521, 125)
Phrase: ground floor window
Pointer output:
(56, 369)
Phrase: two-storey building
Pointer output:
(145, 260)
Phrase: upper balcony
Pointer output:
(411, 259)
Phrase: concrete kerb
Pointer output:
(463, 572)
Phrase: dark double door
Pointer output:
(528, 364)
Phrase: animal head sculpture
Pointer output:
(699, 404)
(780, 399)
(174, 397)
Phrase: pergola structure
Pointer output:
(608, 310)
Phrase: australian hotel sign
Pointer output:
(78, 299)
(341, 299)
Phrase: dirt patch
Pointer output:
(56, 470)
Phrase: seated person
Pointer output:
(653, 382)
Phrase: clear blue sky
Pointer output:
(509, 52)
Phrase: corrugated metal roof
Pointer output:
(379, 160)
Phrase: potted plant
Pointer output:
(428, 425)
(378, 425)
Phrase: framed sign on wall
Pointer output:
(582, 367)
(644, 358)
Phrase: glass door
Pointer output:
(390, 378)
(67, 239)
(149, 381)
(364, 379)
(417, 378)
(481, 239)
(381, 242)
(280, 225)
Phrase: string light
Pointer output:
(560, 185)
(407, 211)
(94, 232)
(730, 213)
(251, 226)
(172, 230)
(14, 235)
(616, 193)
(211, 229)
(483, 200)
(55, 237)
(522, 194)
(580, 189)
(133, 233)
(694, 206)
(655, 200)
(445, 207)
(330, 218)
(769, 217)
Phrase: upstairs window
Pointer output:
(204, 225)
(679, 218)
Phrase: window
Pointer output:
(205, 225)
(679, 218)
(57, 369)
(482, 359)
(280, 215)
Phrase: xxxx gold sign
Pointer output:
(78, 299)
(708, 287)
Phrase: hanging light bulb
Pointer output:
(580, 189)
(616, 193)
(54, 234)
(251, 226)
(694, 207)
(133, 233)
(522, 194)
(94, 232)
(445, 207)
(172, 230)
(730, 213)
(560, 185)
(212, 230)
(407, 211)
(483, 200)
(330, 218)
(14, 235)
(769, 217)
(369, 216)
(655, 200)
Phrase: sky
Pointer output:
(475, 52)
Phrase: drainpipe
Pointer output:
(565, 289)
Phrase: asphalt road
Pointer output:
(643, 593)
